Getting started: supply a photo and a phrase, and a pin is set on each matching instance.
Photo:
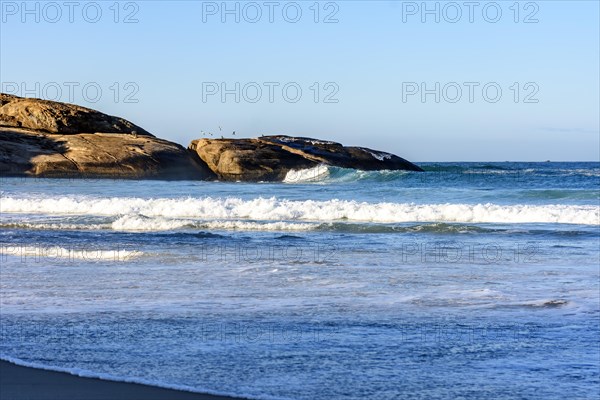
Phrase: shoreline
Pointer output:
(20, 383)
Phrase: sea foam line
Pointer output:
(273, 209)
(143, 223)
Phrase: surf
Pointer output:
(275, 209)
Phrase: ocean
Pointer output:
(472, 280)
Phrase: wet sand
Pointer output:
(24, 383)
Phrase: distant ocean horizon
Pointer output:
(471, 279)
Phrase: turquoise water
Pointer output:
(475, 280)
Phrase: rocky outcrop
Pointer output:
(248, 159)
(54, 117)
(270, 158)
(51, 139)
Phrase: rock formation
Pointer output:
(270, 158)
(51, 139)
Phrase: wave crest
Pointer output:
(273, 209)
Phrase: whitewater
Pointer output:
(275, 209)
(335, 283)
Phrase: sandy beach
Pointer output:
(20, 383)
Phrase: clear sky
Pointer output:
(433, 81)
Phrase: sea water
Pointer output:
(474, 280)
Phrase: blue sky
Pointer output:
(370, 68)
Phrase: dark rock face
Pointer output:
(335, 154)
(51, 139)
(270, 158)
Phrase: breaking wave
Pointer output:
(134, 211)
(326, 174)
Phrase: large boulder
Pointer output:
(248, 159)
(55, 117)
(51, 139)
(270, 158)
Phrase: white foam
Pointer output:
(53, 226)
(143, 223)
(255, 226)
(585, 172)
(79, 253)
(380, 155)
(317, 173)
(273, 209)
